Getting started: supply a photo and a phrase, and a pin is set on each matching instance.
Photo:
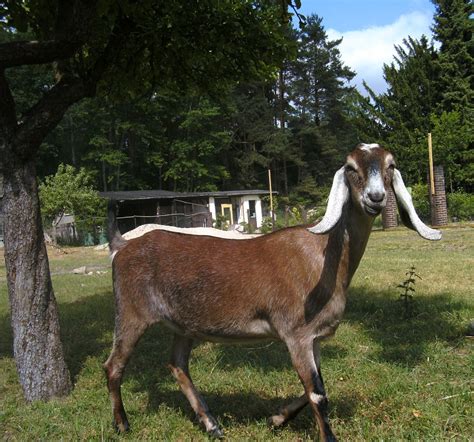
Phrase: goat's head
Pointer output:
(365, 179)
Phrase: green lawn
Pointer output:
(387, 377)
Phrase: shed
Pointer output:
(189, 209)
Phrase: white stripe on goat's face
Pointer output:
(364, 146)
(369, 171)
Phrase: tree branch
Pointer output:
(17, 53)
(46, 114)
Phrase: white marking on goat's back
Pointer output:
(192, 231)
(316, 398)
(368, 147)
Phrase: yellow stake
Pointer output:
(430, 155)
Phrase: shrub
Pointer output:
(421, 201)
(461, 205)
(70, 191)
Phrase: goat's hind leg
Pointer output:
(179, 367)
(125, 340)
(290, 411)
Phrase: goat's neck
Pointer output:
(355, 228)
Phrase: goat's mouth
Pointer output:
(373, 209)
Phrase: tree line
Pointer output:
(300, 122)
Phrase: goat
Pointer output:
(289, 285)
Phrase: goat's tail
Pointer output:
(116, 240)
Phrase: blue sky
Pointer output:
(370, 29)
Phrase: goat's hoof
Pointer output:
(121, 428)
(216, 433)
(328, 436)
(276, 421)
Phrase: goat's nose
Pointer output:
(376, 196)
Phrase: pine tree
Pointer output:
(453, 29)
(319, 77)
(318, 95)
(411, 98)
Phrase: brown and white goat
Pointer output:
(289, 285)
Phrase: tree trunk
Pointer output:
(37, 347)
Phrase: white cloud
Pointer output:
(366, 50)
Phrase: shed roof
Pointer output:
(165, 194)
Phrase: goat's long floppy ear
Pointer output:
(407, 210)
(337, 198)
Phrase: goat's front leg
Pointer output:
(302, 356)
(179, 367)
(290, 411)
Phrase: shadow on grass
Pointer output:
(86, 329)
(242, 408)
(404, 340)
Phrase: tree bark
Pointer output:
(37, 347)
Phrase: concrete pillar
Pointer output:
(246, 210)
(258, 212)
(212, 207)
(240, 211)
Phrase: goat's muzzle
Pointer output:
(373, 208)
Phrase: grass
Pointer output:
(388, 378)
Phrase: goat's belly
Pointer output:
(254, 331)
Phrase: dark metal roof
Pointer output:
(165, 194)
(139, 194)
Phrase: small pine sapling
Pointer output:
(408, 287)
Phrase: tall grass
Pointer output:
(387, 377)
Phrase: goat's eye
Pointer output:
(350, 169)
(353, 175)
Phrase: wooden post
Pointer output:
(430, 156)
(271, 197)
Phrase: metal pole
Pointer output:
(430, 156)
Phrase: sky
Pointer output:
(370, 29)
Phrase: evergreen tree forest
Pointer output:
(300, 121)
